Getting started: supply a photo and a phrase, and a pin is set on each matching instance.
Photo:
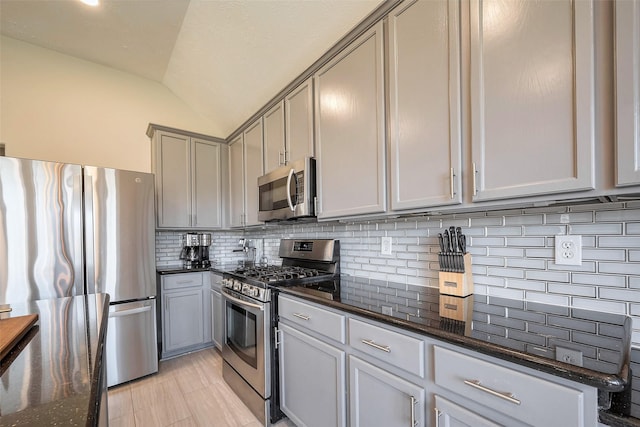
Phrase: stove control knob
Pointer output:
(237, 286)
(246, 289)
(255, 292)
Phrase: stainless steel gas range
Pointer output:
(250, 356)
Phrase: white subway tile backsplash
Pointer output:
(513, 251)
(569, 218)
(544, 230)
(600, 305)
(619, 242)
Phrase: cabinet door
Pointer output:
(449, 414)
(298, 107)
(379, 398)
(217, 318)
(627, 39)
(183, 319)
(424, 104)
(274, 140)
(173, 180)
(532, 97)
(252, 170)
(306, 361)
(206, 184)
(350, 140)
(236, 182)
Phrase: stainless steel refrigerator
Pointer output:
(68, 230)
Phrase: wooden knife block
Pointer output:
(457, 284)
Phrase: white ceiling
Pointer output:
(226, 59)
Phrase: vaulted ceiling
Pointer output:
(224, 58)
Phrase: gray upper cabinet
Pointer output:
(245, 166)
(188, 181)
(350, 136)
(236, 182)
(206, 184)
(424, 104)
(532, 97)
(298, 108)
(274, 140)
(627, 48)
(253, 169)
(288, 128)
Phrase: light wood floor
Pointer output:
(187, 391)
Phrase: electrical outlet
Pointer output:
(385, 246)
(569, 250)
(566, 355)
(387, 309)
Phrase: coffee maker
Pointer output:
(195, 250)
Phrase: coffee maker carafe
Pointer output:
(195, 250)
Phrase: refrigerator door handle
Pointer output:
(78, 263)
(90, 261)
(130, 311)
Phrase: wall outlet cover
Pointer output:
(568, 250)
(386, 246)
(567, 355)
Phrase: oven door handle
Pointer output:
(241, 302)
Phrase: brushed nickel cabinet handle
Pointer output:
(414, 402)
(451, 178)
(475, 186)
(501, 394)
(438, 413)
(301, 316)
(384, 348)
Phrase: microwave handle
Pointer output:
(289, 201)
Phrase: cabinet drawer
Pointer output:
(316, 319)
(512, 393)
(399, 350)
(177, 281)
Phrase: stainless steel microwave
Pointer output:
(288, 192)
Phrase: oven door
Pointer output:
(246, 346)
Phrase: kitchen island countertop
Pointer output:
(55, 374)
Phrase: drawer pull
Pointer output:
(414, 402)
(301, 316)
(503, 395)
(384, 348)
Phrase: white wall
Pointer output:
(60, 108)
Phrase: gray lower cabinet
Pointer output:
(185, 313)
(380, 398)
(510, 396)
(217, 310)
(449, 414)
(183, 319)
(306, 361)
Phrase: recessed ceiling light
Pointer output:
(90, 2)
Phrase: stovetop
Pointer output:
(275, 274)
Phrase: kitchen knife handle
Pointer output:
(441, 242)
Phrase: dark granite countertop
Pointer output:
(178, 269)
(52, 377)
(526, 333)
